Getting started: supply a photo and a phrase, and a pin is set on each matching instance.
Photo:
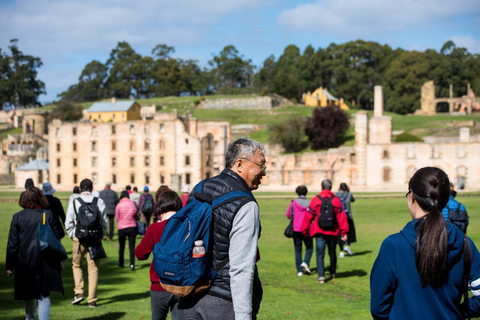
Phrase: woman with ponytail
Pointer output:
(418, 273)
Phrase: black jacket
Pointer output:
(33, 276)
(55, 205)
(110, 198)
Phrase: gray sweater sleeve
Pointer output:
(242, 255)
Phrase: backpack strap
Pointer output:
(291, 210)
(200, 195)
(467, 266)
(230, 196)
(75, 207)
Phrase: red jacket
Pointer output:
(143, 250)
(341, 225)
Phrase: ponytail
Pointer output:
(432, 248)
(430, 189)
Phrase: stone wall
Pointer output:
(7, 179)
(253, 103)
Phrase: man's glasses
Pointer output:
(261, 166)
(406, 195)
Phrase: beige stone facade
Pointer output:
(167, 150)
(376, 163)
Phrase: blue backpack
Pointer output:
(179, 272)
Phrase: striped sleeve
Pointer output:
(474, 283)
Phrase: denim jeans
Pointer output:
(298, 239)
(43, 304)
(330, 241)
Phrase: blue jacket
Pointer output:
(452, 204)
(396, 288)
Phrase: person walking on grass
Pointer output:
(320, 205)
(236, 291)
(166, 206)
(146, 204)
(80, 249)
(126, 215)
(422, 272)
(110, 198)
(298, 208)
(55, 206)
(35, 277)
(346, 197)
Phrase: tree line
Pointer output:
(348, 70)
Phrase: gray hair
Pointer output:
(241, 148)
(327, 184)
(108, 183)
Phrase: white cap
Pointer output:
(199, 243)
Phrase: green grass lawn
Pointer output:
(125, 295)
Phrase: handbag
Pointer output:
(289, 229)
(141, 228)
(48, 244)
(96, 251)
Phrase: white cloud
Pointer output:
(355, 18)
(464, 41)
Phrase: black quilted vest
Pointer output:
(222, 225)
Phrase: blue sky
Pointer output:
(68, 34)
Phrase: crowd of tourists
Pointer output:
(422, 272)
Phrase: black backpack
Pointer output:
(327, 218)
(88, 228)
(147, 205)
(458, 217)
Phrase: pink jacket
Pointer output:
(126, 214)
(298, 214)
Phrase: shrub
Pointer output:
(407, 137)
(67, 110)
(327, 127)
(289, 134)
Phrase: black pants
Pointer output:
(122, 235)
(111, 225)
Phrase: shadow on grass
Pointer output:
(107, 316)
(352, 273)
(361, 253)
(127, 297)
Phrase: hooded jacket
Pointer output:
(396, 288)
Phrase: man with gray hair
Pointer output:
(326, 203)
(110, 198)
(236, 291)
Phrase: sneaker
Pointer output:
(132, 267)
(78, 298)
(349, 251)
(305, 269)
(321, 280)
(92, 304)
(341, 254)
(120, 265)
(300, 274)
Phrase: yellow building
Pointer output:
(114, 111)
(321, 98)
